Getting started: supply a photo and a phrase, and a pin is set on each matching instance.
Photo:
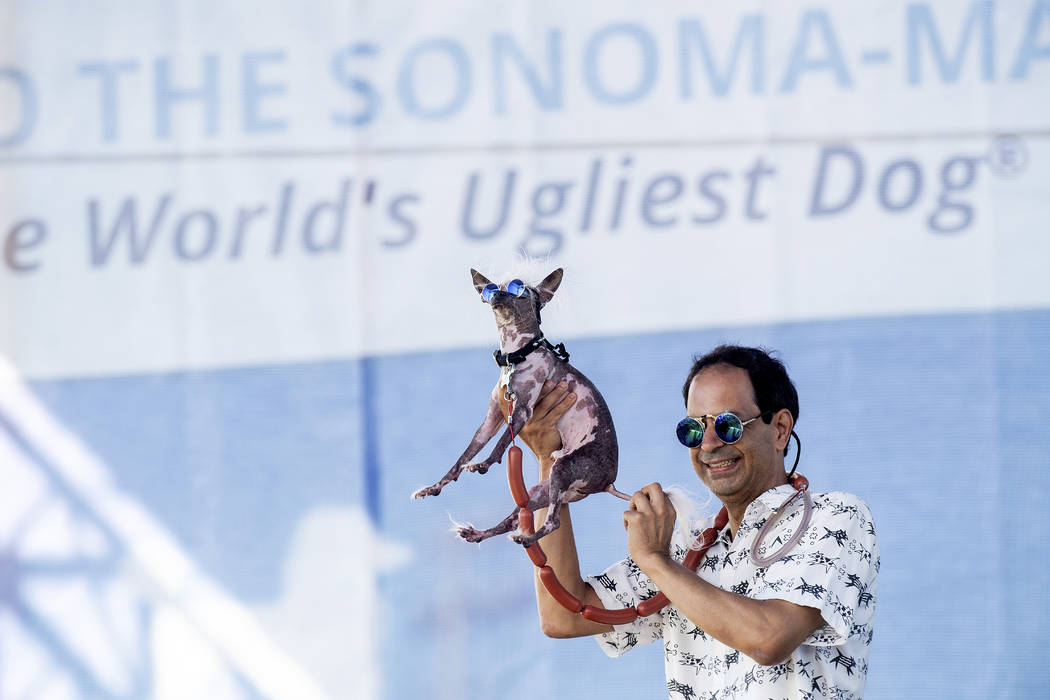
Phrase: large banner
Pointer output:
(237, 327)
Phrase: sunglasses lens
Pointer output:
(690, 432)
(516, 288)
(489, 291)
(728, 428)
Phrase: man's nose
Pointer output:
(711, 440)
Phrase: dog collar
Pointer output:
(518, 356)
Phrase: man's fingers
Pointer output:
(552, 400)
(640, 502)
(562, 407)
(548, 387)
(654, 491)
(550, 393)
(657, 498)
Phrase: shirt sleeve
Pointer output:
(622, 585)
(833, 568)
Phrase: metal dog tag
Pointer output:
(505, 375)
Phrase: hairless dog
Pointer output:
(586, 462)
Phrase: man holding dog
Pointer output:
(750, 622)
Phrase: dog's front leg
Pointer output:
(488, 428)
(522, 413)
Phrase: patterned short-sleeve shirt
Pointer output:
(832, 568)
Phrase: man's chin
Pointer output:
(723, 487)
(732, 488)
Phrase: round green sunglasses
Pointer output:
(728, 427)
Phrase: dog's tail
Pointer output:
(611, 488)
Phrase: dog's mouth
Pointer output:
(505, 313)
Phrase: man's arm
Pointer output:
(542, 437)
(766, 630)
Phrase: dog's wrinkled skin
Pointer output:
(585, 464)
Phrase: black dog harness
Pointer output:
(518, 356)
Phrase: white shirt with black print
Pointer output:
(832, 568)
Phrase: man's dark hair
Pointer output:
(769, 379)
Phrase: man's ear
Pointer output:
(549, 285)
(783, 424)
(480, 280)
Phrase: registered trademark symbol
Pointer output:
(1007, 156)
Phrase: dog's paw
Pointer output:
(428, 491)
(469, 533)
(478, 467)
(523, 540)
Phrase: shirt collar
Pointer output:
(771, 500)
(774, 498)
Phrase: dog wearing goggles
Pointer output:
(587, 461)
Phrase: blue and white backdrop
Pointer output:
(237, 327)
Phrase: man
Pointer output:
(738, 627)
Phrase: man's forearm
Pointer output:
(560, 548)
(766, 630)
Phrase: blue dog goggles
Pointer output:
(515, 288)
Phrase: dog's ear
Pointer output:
(549, 285)
(480, 280)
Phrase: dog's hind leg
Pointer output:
(590, 469)
(560, 488)
(537, 499)
(472, 534)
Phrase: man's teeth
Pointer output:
(719, 465)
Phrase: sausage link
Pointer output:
(654, 604)
(536, 554)
(610, 617)
(525, 523)
(514, 477)
(558, 591)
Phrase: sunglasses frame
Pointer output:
(491, 290)
(702, 421)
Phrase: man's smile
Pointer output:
(721, 466)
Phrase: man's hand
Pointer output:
(649, 524)
(540, 433)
